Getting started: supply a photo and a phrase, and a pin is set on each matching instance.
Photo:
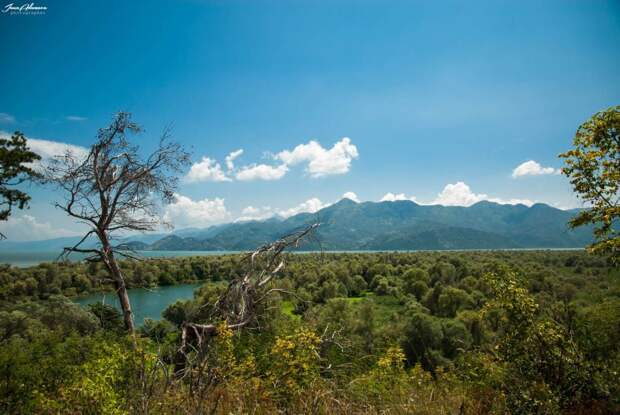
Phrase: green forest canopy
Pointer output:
(485, 332)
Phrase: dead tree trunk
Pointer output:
(119, 287)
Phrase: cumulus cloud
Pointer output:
(526, 202)
(391, 197)
(351, 196)
(532, 168)
(230, 158)
(207, 170)
(75, 118)
(28, 228)
(255, 213)
(321, 161)
(50, 149)
(459, 194)
(184, 212)
(261, 172)
(6, 118)
(311, 206)
(261, 213)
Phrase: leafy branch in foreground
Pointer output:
(593, 168)
(15, 157)
(114, 189)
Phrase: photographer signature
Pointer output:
(24, 8)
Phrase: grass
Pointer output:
(288, 308)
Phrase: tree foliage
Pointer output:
(593, 167)
(505, 332)
(15, 169)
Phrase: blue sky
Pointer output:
(441, 101)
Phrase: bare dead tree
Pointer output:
(238, 305)
(113, 190)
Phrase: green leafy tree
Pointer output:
(108, 316)
(546, 369)
(452, 300)
(593, 168)
(423, 338)
(14, 170)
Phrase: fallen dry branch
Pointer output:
(237, 306)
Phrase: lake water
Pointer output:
(145, 303)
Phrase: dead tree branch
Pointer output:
(237, 306)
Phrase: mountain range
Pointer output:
(399, 225)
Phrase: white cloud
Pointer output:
(391, 197)
(310, 205)
(261, 213)
(185, 212)
(459, 194)
(230, 158)
(351, 196)
(321, 162)
(532, 168)
(50, 149)
(28, 228)
(210, 170)
(255, 213)
(261, 172)
(207, 170)
(526, 202)
(75, 118)
(6, 118)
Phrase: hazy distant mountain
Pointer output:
(347, 225)
(57, 244)
(399, 225)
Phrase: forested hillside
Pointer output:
(399, 225)
(427, 333)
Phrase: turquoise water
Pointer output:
(145, 302)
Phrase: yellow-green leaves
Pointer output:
(593, 168)
(295, 360)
